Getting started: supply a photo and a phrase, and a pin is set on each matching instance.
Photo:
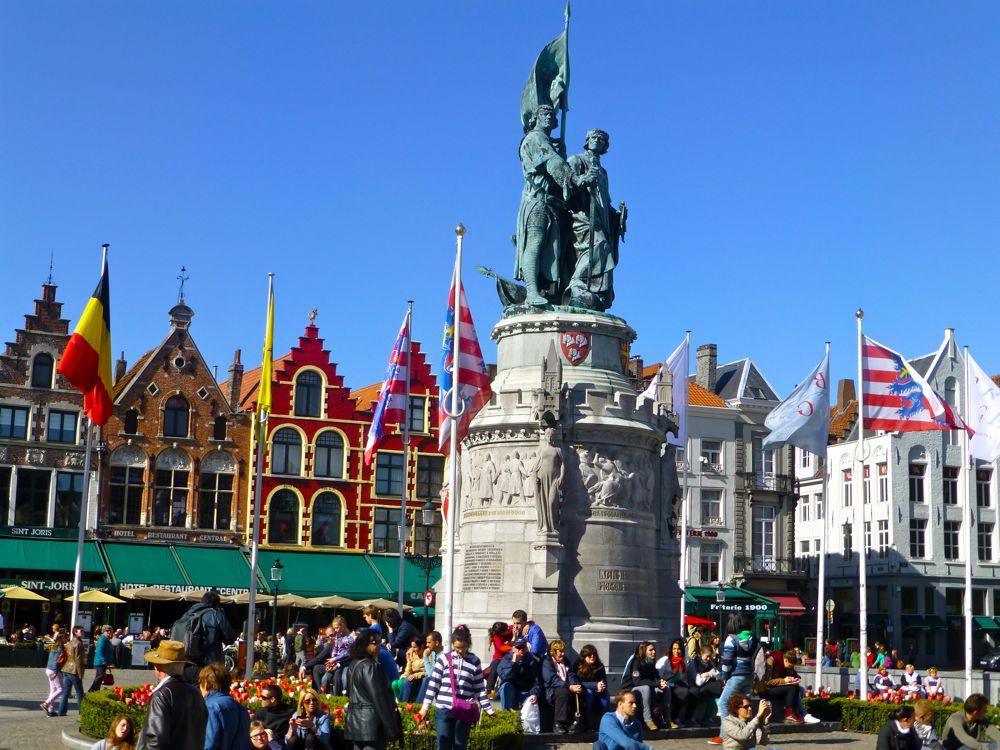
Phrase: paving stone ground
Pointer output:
(23, 725)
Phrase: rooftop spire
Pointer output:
(180, 292)
(52, 257)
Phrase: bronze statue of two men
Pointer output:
(567, 231)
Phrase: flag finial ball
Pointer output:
(860, 313)
(460, 230)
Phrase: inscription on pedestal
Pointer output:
(621, 580)
(483, 568)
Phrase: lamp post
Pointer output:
(426, 561)
(275, 581)
(720, 593)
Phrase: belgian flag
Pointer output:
(86, 361)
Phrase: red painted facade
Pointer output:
(317, 492)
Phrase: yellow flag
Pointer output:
(267, 366)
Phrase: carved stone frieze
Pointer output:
(73, 460)
(35, 456)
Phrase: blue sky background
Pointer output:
(783, 162)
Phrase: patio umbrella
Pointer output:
(384, 604)
(99, 597)
(245, 598)
(16, 594)
(196, 594)
(151, 593)
(335, 602)
(692, 620)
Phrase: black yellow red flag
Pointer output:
(86, 360)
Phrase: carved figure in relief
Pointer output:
(590, 475)
(487, 480)
(529, 470)
(548, 484)
(470, 489)
(503, 482)
(516, 479)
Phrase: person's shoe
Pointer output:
(791, 718)
(45, 707)
(491, 694)
(810, 719)
(715, 741)
(674, 725)
(577, 726)
(651, 726)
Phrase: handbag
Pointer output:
(62, 658)
(461, 709)
(108, 678)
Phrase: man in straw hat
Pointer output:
(177, 715)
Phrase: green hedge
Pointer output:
(502, 733)
(870, 716)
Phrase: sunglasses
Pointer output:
(259, 736)
(746, 706)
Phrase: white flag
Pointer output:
(678, 365)
(983, 414)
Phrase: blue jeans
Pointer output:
(70, 681)
(423, 689)
(408, 692)
(452, 733)
(736, 684)
(511, 697)
(595, 705)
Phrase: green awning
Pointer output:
(985, 623)
(43, 554)
(413, 577)
(325, 573)
(145, 565)
(224, 569)
(419, 611)
(703, 598)
(935, 621)
(914, 622)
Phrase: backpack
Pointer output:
(191, 631)
(300, 643)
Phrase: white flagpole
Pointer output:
(453, 473)
(685, 550)
(261, 417)
(403, 526)
(967, 464)
(821, 590)
(84, 512)
(859, 517)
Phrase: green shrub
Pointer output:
(101, 707)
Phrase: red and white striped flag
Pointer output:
(474, 390)
(392, 398)
(897, 398)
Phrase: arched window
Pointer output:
(171, 491)
(175, 417)
(308, 394)
(128, 476)
(41, 371)
(219, 428)
(283, 518)
(131, 422)
(215, 491)
(326, 512)
(329, 455)
(951, 392)
(286, 452)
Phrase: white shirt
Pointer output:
(161, 683)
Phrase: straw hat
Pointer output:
(168, 652)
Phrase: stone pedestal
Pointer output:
(604, 571)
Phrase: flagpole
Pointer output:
(453, 415)
(821, 590)
(403, 526)
(685, 551)
(967, 465)
(859, 516)
(261, 418)
(84, 512)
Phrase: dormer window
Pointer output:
(175, 417)
(41, 371)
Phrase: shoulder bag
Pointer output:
(461, 709)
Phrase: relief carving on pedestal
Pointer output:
(73, 460)
(616, 479)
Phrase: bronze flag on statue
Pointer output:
(548, 82)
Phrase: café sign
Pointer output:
(38, 532)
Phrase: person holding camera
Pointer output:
(741, 729)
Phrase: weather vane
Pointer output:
(182, 278)
(312, 315)
(52, 258)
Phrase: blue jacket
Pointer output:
(104, 654)
(388, 664)
(536, 639)
(228, 723)
(551, 679)
(524, 674)
(737, 654)
(322, 722)
(616, 736)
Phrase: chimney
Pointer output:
(235, 381)
(845, 393)
(121, 367)
(707, 358)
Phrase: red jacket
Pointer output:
(501, 645)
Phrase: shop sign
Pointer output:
(179, 589)
(755, 607)
(181, 536)
(38, 532)
(52, 585)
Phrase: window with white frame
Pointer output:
(868, 484)
(819, 506)
(805, 459)
(14, 422)
(328, 460)
(31, 499)
(711, 452)
(286, 452)
(952, 533)
(62, 427)
(847, 485)
(848, 542)
(711, 507)
(804, 508)
(418, 416)
(710, 560)
(868, 537)
(917, 472)
(883, 482)
(949, 485)
(69, 499)
(763, 537)
(984, 538)
(883, 538)
(308, 394)
(984, 478)
(385, 531)
(918, 538)
(389, 474)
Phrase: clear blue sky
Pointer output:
(784, 163)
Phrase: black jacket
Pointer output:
(275, 718)
(890, 738)
(399, 640)
(635, 675)
(524, 674)
(176, 720)
(217, 631)
(325, 652)
(372, 716)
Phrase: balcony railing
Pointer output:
(764, 564)
(760, 482)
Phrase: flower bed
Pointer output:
(871, 715)
(100, 708)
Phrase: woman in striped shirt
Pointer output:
(463, 669)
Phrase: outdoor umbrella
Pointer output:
(245, 598)
(384, 604)
(692, 620)
(99, 597)
(335, 602)
(151, 594)
(16, 594)
(195, 595)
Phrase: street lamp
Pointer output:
(720, 593)
(428, 517)
(275, 581)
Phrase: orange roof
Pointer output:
(995, 379)
(698, 396)
(251, 381)
(366, 396)
(650, 370)
(841, 422)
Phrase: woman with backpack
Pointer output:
(739, 653)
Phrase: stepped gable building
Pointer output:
(41, 451)
(173, 464)
(317, 492)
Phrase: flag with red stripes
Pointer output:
(474, 390)
(897, 398)
(391, 405)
